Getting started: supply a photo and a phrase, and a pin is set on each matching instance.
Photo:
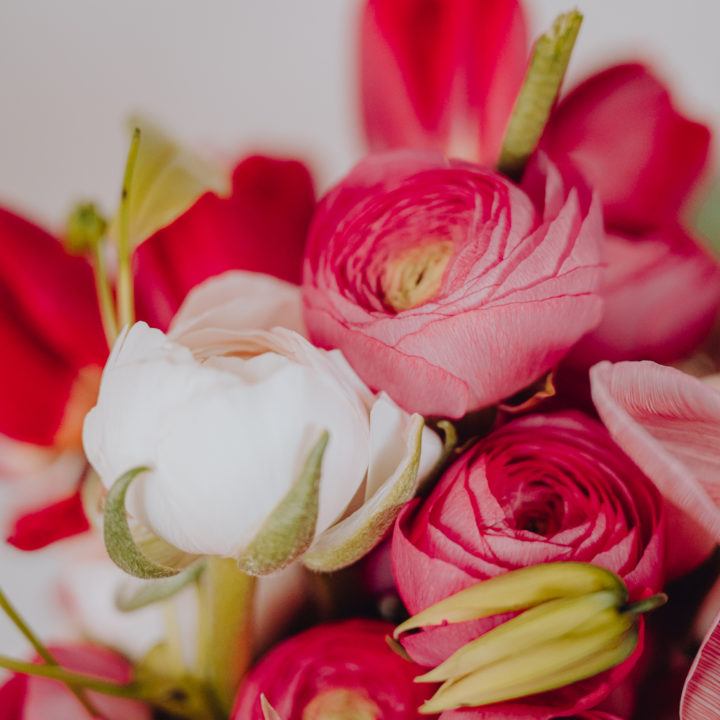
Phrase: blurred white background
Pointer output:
(230, 77)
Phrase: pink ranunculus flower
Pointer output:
(342, 669)
(542, 488)
(445, 284)
(35, 698)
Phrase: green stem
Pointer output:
(42, 651)
(537, 96)
(71, 679)
(225, 600)
(104, 294)
(647, 604)
(126, 301)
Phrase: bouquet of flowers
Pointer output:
(444, 443)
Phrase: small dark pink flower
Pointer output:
(344, 667)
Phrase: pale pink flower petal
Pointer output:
(701, 694)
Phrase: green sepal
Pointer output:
(537, 96)
(129, 599)
(124, 551)
(290, 528)
(354, 536)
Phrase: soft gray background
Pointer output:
(228, 77)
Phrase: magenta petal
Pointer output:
(701, 694)
(429, 73)
(669, 424)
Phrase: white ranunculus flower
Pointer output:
(224, 411)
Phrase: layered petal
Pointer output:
(621, 129)
(51, 335)
(260, 227)
(701, 694)
(669, 424)
(441, 75)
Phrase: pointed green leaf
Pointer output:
(119, 540)
(129, 599)
(290, 528)
(537, 96)
(351, 538)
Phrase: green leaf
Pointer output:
(351, 538)
(129, 599)
(124, 551)
(290, 528)
(538, 93)
(165, 181)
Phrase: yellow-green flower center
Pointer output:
(341, 704)
(415, 276)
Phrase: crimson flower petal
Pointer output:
(621, 129)
(51, 335)
(260, 227)
(701, 694)
(49, 524)
(669, 424)
(430, 74)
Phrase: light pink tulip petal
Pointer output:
(669, 424)
(430, 73)
(701, 694)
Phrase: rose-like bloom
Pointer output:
(343, 669)
(445, 284)
(35, 698)
(542, 488)
(429, 79)
(225, 412)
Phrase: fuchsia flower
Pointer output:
(543, 488)
(343, 669)
(429, 80)
(447, 285)
(35, 698)
(50, 328)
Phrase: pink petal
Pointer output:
(260, 227)
(429, 73)
(621, 129)
(669, 424)
(701, 694)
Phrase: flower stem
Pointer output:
(537, 96)
(126, 302)
(104, 294)
(43, 652)
(225, 600)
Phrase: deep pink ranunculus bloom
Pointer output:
(445, 284)
(443, 75)
(542, 488)
(34, 698)
(53, 344)
(341, 669)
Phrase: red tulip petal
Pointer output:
(50, 330)
(701, 694)
(429, 73)
(669, 424)
(642, 156)
(49, 524)
(260, 227)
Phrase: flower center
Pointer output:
(341, 704)
(413, 277)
